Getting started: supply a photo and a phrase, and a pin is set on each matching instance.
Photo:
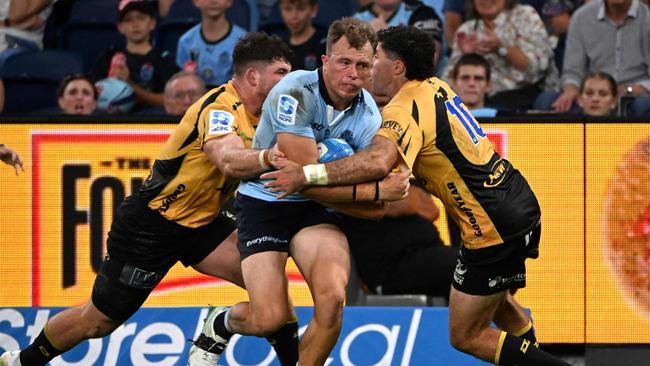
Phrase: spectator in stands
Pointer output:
(402, 253)
(610, 36)
(181, 91)
(77, 95)
(163, 7)
(207, 47)
(141, 65)
(305, 40)
(10, 157)
(385, 13)
(513, 39)
(557, 15)
(471, 80)
(598, 94)
(22, 23)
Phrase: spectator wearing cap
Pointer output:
(207, 47)
(144, 67)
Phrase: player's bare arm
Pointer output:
(366, 165)
(393, 187)
(230, 155)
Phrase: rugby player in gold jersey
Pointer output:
(427, 127)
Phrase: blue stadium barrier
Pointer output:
(159, 336)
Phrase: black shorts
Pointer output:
(142, 246)
(269, 226)
(497, 268)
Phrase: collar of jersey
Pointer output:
(322, 89)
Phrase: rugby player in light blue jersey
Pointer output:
(302, 110)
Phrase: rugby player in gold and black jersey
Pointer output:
(427, 126)
(175, 216)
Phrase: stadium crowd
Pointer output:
(541, 51)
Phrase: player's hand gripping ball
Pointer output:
(332, 149)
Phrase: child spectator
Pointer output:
(208, 46)
(144, 67)
(306, 41)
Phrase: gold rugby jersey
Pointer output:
(183, 185)
(449, 153)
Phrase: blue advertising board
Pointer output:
(161, 337)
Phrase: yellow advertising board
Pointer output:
(57, 213)
(618, 233)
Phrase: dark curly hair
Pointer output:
(413, 46)
(259, 46)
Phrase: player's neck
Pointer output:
(249, 97)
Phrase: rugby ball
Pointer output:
(114, 96)
(332, 149)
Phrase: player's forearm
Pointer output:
(361, 192)
(367, 165)
(241, 163)
(364, 210)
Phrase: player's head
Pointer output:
(181, 91)
(298, 14)
(261, 61)
(598, 94)
(471, 79)
(347, 65)
(77, 95)
(403, 53)
(136, 20)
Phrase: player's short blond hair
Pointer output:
(356, 31)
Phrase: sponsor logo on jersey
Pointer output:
(498, 174)
(287, 108)
(220, 122)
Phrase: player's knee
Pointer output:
(462, 342)
(269, 324)
(328, 307)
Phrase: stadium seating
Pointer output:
(170, 30)
(31, 79)
(328, 11)
(242, 13)
(91, 30)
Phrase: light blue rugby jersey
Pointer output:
(214, 59)
(299, 104)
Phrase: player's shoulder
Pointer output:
(297, 82)
(367, 102)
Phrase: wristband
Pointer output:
(316, 174)
(267, 160)
(262, 160)
(376, 191)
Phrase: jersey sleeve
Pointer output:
(217, 120)
(400, 128)
(290, 109)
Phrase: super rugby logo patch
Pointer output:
(287, 108)
(220, 122)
